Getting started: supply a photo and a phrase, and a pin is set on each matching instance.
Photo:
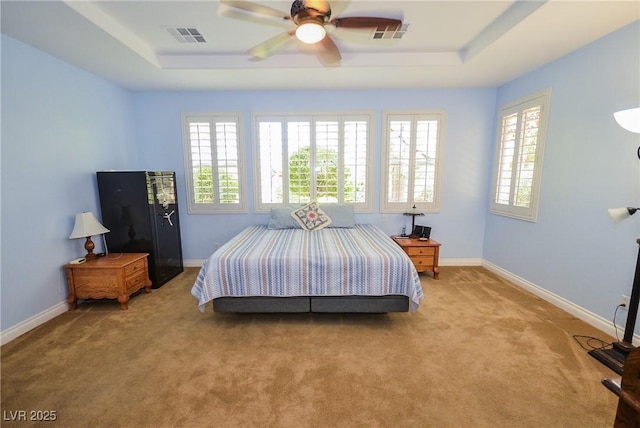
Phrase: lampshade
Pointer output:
(619, 214)
(87, 225)
(629, 119)
(310, 32)
(414, 211)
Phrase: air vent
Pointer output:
(383, 33)
(186, 35)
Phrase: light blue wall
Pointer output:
(574, 250)
(469, 126)
(59, 125)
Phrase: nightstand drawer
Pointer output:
(135, 282)
(92, 285)
(421, 251)
(134, 268)
(422, 263)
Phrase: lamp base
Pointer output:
(615, 357)
(89, 246)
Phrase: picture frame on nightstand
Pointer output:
(421, 232)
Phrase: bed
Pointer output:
(335, 269)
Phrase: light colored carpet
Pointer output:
(480, 352)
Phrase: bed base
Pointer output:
(324, 304)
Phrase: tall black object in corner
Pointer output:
(140, 208)
(615, 357)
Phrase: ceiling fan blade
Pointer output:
(327, 51)
(339, 6)
(271, 46)
(365, 22)
(256, 8)
(253, 18)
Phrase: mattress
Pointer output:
(359, 261)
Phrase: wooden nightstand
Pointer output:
(115, 276)
(423, 254)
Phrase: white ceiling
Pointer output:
(448, 43)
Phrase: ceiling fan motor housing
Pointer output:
(305, 10)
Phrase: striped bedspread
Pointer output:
(293, 262)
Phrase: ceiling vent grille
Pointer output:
(385, 33)
(186, 35)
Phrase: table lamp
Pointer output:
(413, 212)
(85, 227)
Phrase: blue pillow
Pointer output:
(341, 215)
(281, 218)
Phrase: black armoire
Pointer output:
(140, 208)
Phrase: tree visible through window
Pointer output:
(326, 174)
(315, 157)
(213, 164)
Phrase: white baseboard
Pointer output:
(579, 312)
(460, 262)
(193, 263)
(25, 326)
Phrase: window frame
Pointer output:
(312, 117)
(414, 116)
(530, 213)
(213, 118)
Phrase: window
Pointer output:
(518, 165)
(323, 157)
(213, 164)
(412, 158)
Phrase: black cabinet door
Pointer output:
(166, 225)
(140, 208)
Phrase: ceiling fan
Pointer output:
(310, 18)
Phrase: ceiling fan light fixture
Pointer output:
(310, 32)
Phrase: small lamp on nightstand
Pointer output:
(85, 227)
(413, 212)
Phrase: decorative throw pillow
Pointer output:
(311, 217)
